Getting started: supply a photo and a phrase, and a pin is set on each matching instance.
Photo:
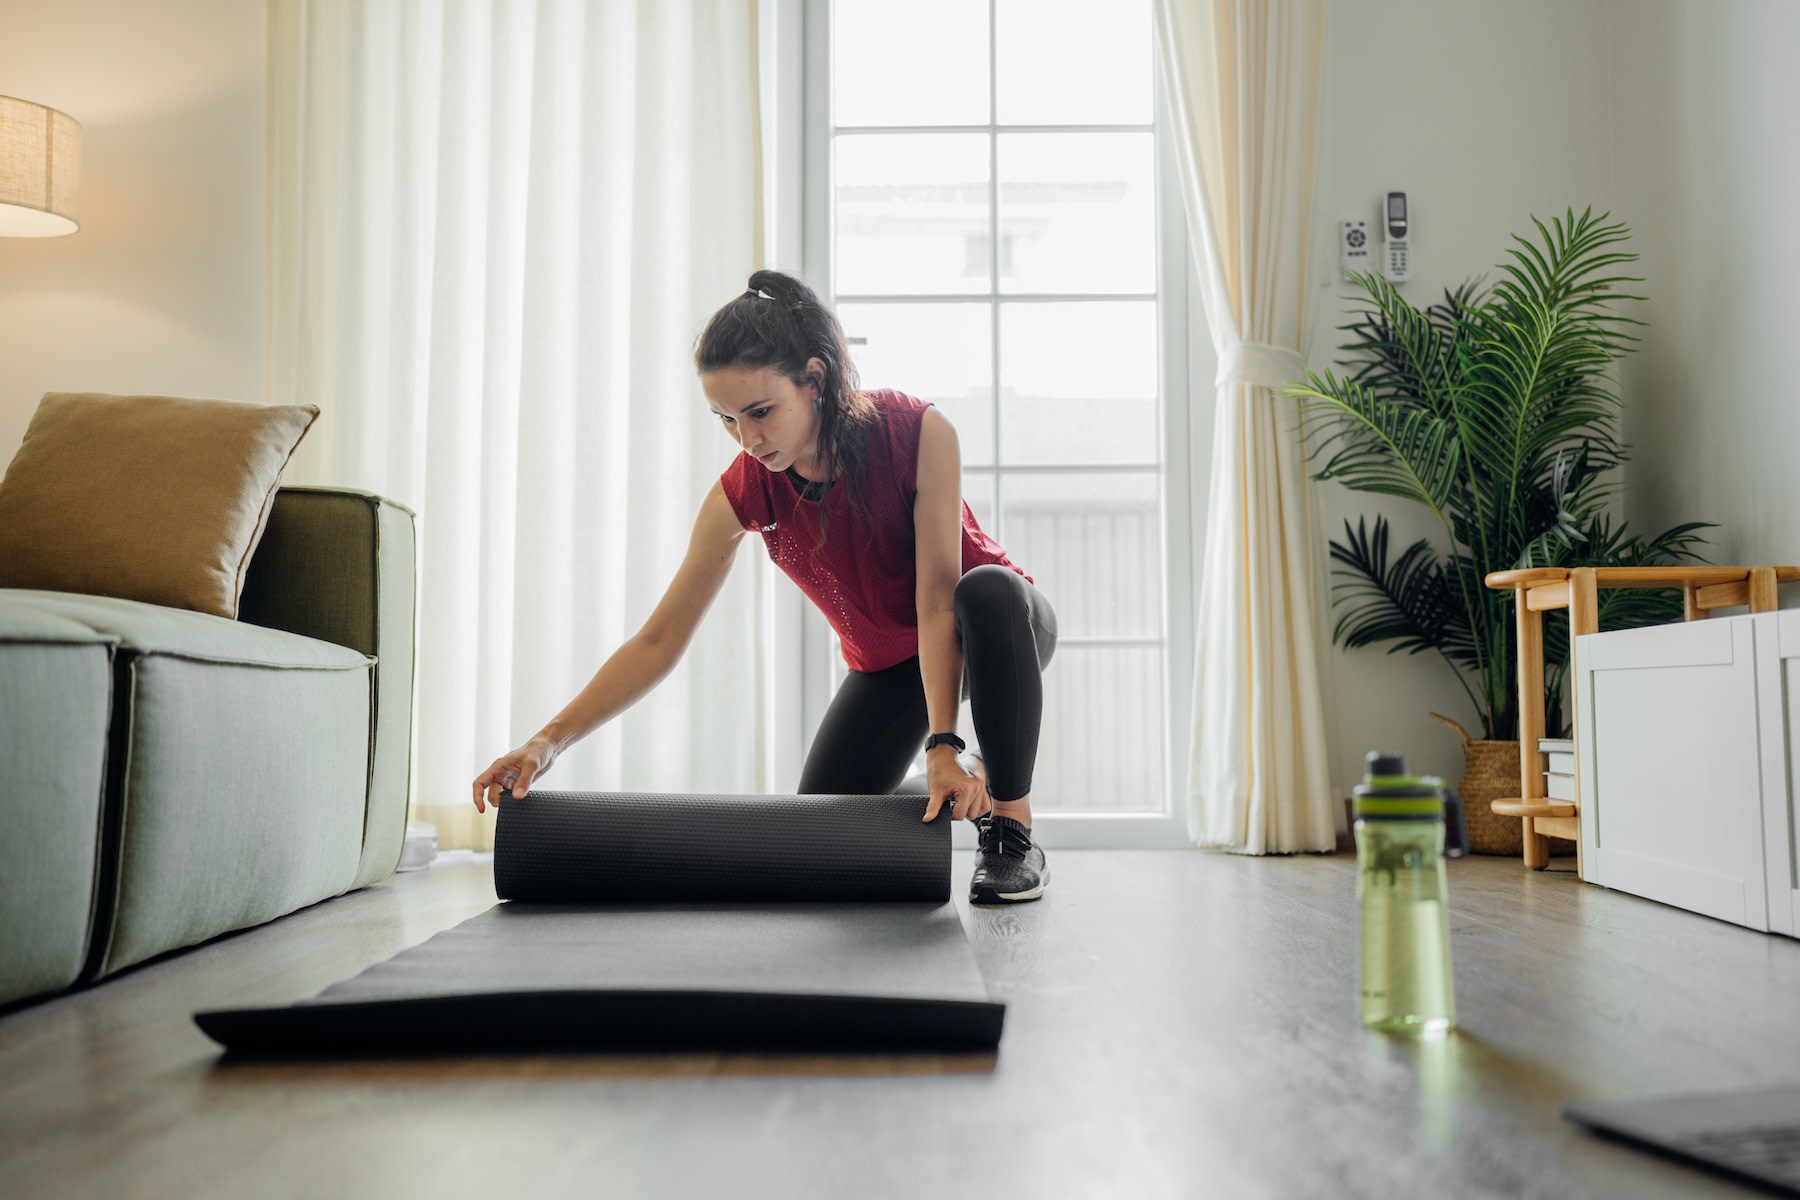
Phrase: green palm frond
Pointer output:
(1448, 315)
(1402, 602)
(1564, 272)
(1406, 602)
(1464, 639)
(1403, 355)
(1535, 388)
(1376, 443)
(1554, 508)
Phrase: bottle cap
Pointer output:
(1388, 792)
(1384, 762)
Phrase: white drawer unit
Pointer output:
(1675, 734)
(1778, 694)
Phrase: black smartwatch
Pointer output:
(939, 739)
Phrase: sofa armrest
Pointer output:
(341, 565)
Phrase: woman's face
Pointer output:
(768, 414)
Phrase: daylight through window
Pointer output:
(994, 251)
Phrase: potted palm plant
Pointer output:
(1496, 410)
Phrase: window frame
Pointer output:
(800, 216)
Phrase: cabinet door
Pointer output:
(1671, 780)
(1778, 683)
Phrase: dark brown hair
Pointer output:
(779, 322)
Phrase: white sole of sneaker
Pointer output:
(1033, 894)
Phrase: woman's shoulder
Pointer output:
(891, 403)
(898, 418)
(893, 439)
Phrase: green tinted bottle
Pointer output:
(1401, 898)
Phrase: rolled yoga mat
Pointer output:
(674, 922)
(572, 847)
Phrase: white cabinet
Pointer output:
(1682, 744)
(1778, 694)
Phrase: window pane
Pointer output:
(1078, 383)
(1100, 748)
(924, 62)
(943, 353)
(978, 494)
(1077, 212)
(1093, 544)
(1067, 62)
(912, 213)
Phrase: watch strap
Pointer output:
(939, 739)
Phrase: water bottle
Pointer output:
(1401, 898)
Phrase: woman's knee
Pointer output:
(990, 591)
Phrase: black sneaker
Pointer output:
(1009, 866)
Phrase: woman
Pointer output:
(858, 497)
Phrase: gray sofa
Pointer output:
(172, 775)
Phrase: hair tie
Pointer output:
(758, 293)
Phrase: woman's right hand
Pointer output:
(513, 772)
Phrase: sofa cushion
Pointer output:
(240, 798)
(22, 620)
(237, 789)
(55, 701)
(148, 498)
(152, 629)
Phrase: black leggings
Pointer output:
(877, 721)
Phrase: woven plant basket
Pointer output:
(1490, 773)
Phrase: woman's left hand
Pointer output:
(950, 781)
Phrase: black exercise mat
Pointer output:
(670, 976)
(562, 847)
(689, 963)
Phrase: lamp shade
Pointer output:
(40, 170)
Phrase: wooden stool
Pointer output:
(1536, 589)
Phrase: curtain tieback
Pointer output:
(1260, 365)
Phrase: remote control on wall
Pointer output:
(1396, 263)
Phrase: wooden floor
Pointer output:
(1181, 1024)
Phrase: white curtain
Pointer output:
(1245, 80)
(495, 230)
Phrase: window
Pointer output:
(994, 233)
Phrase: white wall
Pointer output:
(161, 290)
(1706, 138)
(1484, 112)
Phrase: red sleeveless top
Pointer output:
(865, 585)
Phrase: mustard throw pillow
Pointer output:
(144, 497)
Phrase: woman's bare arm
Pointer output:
(937, 530)
(640, 663)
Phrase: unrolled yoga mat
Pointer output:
(677, 959)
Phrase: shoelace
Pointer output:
(995, 841)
